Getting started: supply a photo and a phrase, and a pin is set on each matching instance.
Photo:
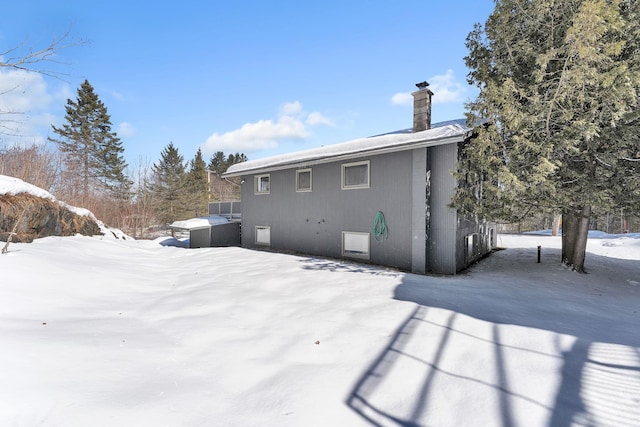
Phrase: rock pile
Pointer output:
(32, 217)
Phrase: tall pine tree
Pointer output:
(559, 85)
(92, 152)
(218, 163)
(168, 186)
(198, 185)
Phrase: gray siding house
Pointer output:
(383, 200)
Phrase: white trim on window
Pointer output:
(263, 235)
(356, 245)
(262, 184)
(309, 185)
(354, 175)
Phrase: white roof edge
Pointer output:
(353, 149)
(199, 223)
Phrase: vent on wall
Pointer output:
(355, 245)
(263, 235)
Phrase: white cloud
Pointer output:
(24, 101)
(126, 129)
(23, 91)
(260, 135)
(445, 89)
(402, 98)
(316, 118)
(292, 124)
(63, 93)
(291, 109)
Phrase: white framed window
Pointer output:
(263, 235)
(262, 184)
(303, 180)
(355, 245)
(355, 175)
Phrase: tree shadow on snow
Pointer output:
(596, 324)
(343, 266)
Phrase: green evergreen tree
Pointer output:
(92, 152)
(168, 186)
(198, 185)
(559, 83)
(113, 167)
(217, 163)
(233, 159)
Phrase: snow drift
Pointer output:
(102, 331)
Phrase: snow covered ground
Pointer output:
(104, 332)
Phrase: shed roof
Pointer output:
(199, 223)
(449, 132)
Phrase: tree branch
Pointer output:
(46, 55)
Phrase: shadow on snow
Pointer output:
(596, 316)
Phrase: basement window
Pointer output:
(355, 245)
(355, 175)
(262, 184)
(263, 235)
(303, 180)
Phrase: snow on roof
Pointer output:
(438, 135)
(12, 186)
(201, 222)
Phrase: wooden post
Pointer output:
(539, 251)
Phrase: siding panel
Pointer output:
(443, 222)
(313, 222)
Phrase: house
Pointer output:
(383, 199)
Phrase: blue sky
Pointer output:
(257, 77)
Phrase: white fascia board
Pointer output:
(347, 156)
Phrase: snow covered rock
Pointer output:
(31, 212)
(37, 217)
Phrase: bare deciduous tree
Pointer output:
(35, 164)
(33, 60)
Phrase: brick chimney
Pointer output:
(422, 107)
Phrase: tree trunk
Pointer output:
(555, 226)
(575, 229)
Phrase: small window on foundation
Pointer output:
(355, 245)
(263, 235)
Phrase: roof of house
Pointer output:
(199, 223)
(443, 133)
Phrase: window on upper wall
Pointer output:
(303, 180)
(355, 175)
(262, 184)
